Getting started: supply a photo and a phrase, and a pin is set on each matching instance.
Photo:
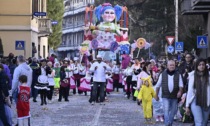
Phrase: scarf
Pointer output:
(200, 84)
(170, 72)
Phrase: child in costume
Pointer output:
(145, 95)
(23, 104)
(57, 77)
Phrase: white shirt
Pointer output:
(134, 77)
(76, 68)
(100, 72)
(82, 70)
(170, 82)
(115, 70)
(128, 71)
(70, 73)
(192, 92)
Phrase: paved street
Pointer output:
(119, 111)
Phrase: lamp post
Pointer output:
(176, 21)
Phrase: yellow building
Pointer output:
(18, 25)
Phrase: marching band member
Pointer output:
(128, 74)
(82, 73)
(76, 75)
(116, 72)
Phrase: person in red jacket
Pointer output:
(23, 104)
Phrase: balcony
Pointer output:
(72, 11)
(200, 4)
(44, 27)
(67, 47)
(187, 8)
(71, 26)
(73, 29)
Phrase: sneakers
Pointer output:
(92, 103)
(102, 103)
(161, 119)
(157, 119)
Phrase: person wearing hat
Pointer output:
(116, 77)
(42, 82)
(82, 73)
(99, 69)
(76, 75)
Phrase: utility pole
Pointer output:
(176, 21)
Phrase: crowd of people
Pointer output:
(164, 89)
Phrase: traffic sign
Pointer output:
(40, 14)
(170, 39)
(179, 46)
(202, 42)
(170, 49)
(54, 22)
(19, 45)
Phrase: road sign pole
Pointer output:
(24, 49)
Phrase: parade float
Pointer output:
(106, 31)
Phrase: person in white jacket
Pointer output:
(22, 69)
(99, 69)
(198, 95)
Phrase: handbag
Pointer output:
(64, 83)
(136, 93)
(187, 118)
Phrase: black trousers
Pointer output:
(63, 92)
(129, 83)
(95, 91)
(3, 115)
(50, 92)
(34, 91)
(134, 84)
(116, 84)
(77, 83)
(43, 96)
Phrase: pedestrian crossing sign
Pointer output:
(19, 45)
(179, 46)
(202, 42)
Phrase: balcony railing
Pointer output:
(187, 8)
(76, 25)
(200, 2)
(44, 26)
(75, 7)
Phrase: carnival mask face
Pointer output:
(109, 15)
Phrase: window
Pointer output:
(39, 50)
(44, 51)
(35, 7)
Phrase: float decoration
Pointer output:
(140, 43)
(84, 47)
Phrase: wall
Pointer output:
(9, 38)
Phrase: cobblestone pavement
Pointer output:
(119, 111)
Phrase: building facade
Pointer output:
(73, 27)
(199, 7)
(20, 28)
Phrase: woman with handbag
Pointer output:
(198, 95)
